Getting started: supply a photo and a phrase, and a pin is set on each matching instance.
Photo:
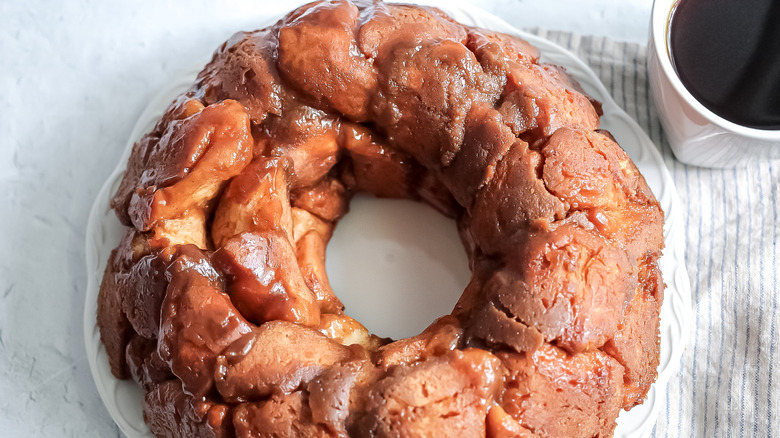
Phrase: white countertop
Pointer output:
(74, 78)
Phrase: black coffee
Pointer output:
(727, 53)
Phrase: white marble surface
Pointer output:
(74, 76)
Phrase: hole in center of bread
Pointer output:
(397, 265)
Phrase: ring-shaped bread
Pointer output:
(217, 302)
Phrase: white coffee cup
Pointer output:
(697, 135)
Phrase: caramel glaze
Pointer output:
(217, 302)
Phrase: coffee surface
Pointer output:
(727, 54)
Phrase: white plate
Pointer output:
(124, 399)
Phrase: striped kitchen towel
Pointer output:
(729, 376)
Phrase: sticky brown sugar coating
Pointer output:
(486, 139)
(376, 168)
(307, 137)
(190, 164)
(515, 201)
(387, 26)
(243, 69)
(310, 237)
(545, 387)
(446, 395)
(540, 99)
(277, 357)
(255, 200)
(197, 321)
(318, 55)
(283, 416)
(264, 280)
(145, 364)
(327, 200)
(141, 303)
(115, 329)
(217, 301)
